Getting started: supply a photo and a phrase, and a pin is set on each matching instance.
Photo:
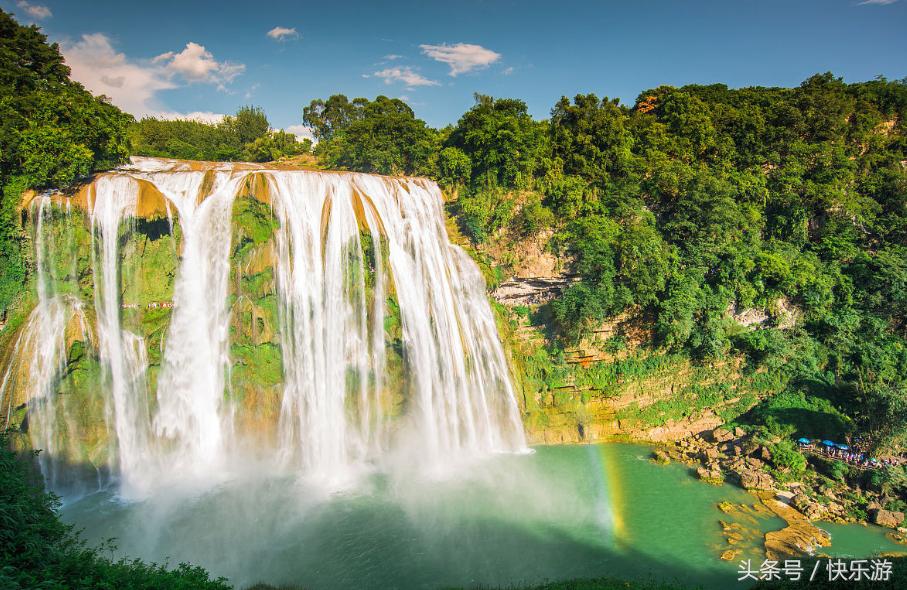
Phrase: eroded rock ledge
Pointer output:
(532, 290)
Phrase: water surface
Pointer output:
(562, 512)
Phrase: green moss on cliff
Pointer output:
(149, 263)
(257, 365)
(253, 225)
(66, 250)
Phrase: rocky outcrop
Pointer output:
(782, 314)
(751, 479)
(710, 474)
(531, 290)
(809, 507)
(660, 457)
(888, 518)
(799, 537)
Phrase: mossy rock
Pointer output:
(253, 224)
(260, 365)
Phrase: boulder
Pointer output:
(888, 518)
(739, 432)
(836, 509)
(756, 480)
(809, 507)
(661, 457)
(710, 475)
(753, 463)
(720, 435)
(710, 453)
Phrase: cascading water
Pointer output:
(191, 390)
(123, 354)
(362, 271)
(39, 353)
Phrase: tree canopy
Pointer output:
(247, 135)
(52, 132)
(381, 135)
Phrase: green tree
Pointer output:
(506, 147)
(384, 137)
(327, 117)
(248, 124)
(52, 132)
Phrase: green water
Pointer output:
(857, 541)
(562, 512)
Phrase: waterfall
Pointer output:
(39, 354)
(387, 343)
(122, 353)
(191, 390)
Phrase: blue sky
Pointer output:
(211, 57)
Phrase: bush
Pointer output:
(37, 550)
(788, 460)
(533, 217)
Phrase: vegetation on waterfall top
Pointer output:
(245, 136)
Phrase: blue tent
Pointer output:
(803, 441)
(828, 443)
(842, 447)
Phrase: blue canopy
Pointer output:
(804, 441)
(842, 447)
(828, 443)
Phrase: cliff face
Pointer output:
(615, 385)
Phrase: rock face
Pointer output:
(810, 508)
(800, 537)
(720, 435)
(888, 518)
(531, 291)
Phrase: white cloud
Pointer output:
(103, 70)
(301, 132)
(133, 85)
(406, 75)
(37, 11)
(283, 33)
(879, 2)
(392, 57)
(197, 64)
(461, 57)
(508, 71)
